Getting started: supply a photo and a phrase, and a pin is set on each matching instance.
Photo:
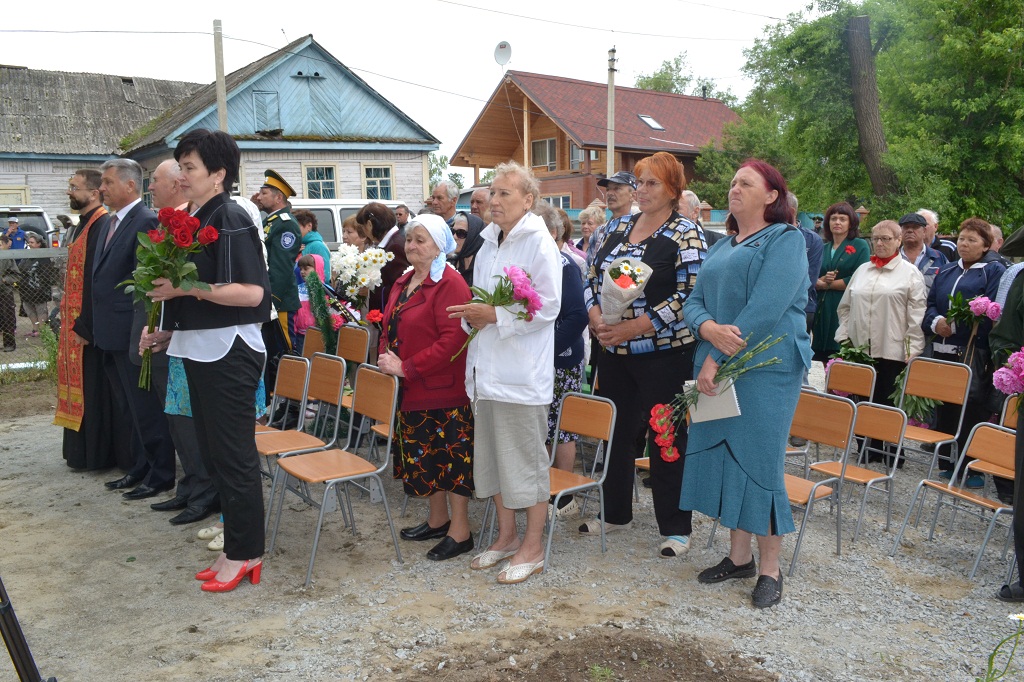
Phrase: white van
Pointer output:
(331, 212)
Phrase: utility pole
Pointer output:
(610, 164)
(222, 92)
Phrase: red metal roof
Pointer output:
(580, 108)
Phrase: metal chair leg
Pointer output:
(316, 534)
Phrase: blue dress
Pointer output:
(734, 467)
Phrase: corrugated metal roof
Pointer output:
(56, 112)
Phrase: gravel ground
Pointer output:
(104, 591)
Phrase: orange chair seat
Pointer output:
(926, 435)
(643, 463)
(799, 490)
(382, 430)
(981, 467)
(327, 465)
(263, 428)
(563, 480)
(346, 401)
(966, 495)
(274, 443)
(855, 474)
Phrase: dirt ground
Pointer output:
(104, 591)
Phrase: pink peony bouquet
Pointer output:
(982, 306)
(513, 288)
(1009, 378)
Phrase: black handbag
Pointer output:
(982, 392)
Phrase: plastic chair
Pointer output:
(375, 397)
(873, 422)
(988, 446)
(313, 343)
(290, 389)
(941, 380)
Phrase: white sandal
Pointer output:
(490, 558)
(520, 573)
(210, 532)
(217, 544)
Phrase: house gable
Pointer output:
(300, 93)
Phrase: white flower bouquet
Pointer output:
(624, 281)
(356, 274)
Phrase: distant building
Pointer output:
(298, 110)
(557, 126)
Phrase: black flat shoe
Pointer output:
(126, 481)
(144, 491)
(767, 592)
(727, 570)
(425, 532)
(1011, 593)
(176, 503)
(449, 548)
(193, 514)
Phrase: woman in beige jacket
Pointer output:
(882, 309)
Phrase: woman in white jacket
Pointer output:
(509, 374)
(882, 309)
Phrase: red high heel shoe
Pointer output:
(208, 574)
(253, 572)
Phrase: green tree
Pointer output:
(457, 179)
(438, 165)
(674, 76)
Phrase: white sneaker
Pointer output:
(210, 532)
(569, 511)
(674, 546)
(593, 527)
(217, 544)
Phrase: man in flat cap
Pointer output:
(283, 240)
(916, 249)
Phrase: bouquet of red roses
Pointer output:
(164, 252)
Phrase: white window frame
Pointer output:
(550, 161)
(364, 167)
(651, 122)
(23, 190)
(562, 201)
(577, 156)
(306, 181)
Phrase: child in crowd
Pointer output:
(304, 319)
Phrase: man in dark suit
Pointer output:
(114, 262)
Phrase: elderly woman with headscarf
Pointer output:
(466, 230)
(434, 440)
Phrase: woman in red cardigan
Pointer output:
(434, 444)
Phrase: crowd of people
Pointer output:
(479, 421)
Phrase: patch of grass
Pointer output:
(600, 673)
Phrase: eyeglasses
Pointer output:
(461, 234)
(73, 188)
(882, 240)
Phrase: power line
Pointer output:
(592, 28)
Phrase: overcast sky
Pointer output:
(434, 59)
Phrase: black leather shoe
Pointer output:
(425, 532)
(126, 481)
(449, 547)
(767, 592)
(727, 570)
(174, 504)
(193, 514)
(144, 491)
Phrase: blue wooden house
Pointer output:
(303, 113)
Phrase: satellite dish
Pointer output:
(503, 53)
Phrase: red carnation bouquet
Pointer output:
(164, 252)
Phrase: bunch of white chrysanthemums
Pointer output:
(355, 271)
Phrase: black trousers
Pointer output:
(8, 317)
(636, 383)
(195, 484)
(223, 396)
(151, 439)
(946, 420)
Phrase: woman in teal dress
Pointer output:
(844, 252)
(752, 286)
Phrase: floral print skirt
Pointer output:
(433, 451)
(569, 380)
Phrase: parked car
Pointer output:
(330, 213)
(33, 219)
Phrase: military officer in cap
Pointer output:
(283, 239)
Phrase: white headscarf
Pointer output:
(439, 231)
